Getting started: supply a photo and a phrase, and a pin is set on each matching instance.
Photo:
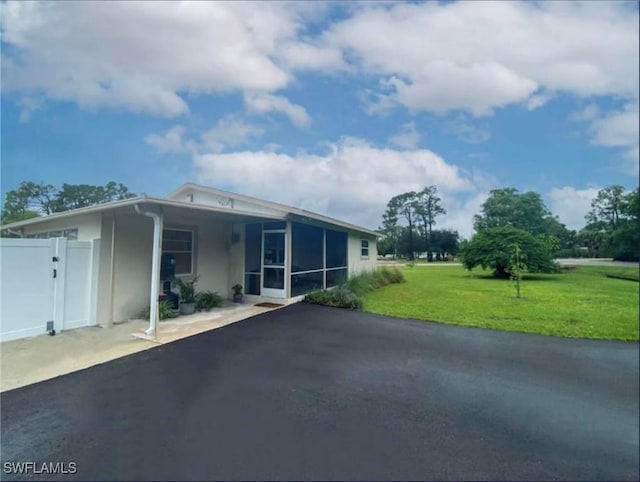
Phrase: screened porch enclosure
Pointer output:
(318, 258)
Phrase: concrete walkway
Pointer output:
(32, 360)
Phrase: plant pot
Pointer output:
(237, 298)
(187, 308)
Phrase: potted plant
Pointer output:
(237, 293)
(187, 295)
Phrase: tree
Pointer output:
(507, 207)
(607, 206)
(31, 199)
(613, 228)
(391, 232)
(28, 201)
(427, 208)
(404, 205)
(445, 241)
(493, 247)
(74, 196)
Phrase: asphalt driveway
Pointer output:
(308, 392)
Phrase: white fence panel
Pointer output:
(77, 287)
(30, 294)
(26, 287)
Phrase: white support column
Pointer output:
(155, 267)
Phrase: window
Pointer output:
(179, 242)
(364, 248)
(252, 258)
(70, 234)
(318, 258)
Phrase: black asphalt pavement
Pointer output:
(309, 392)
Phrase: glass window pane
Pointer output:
(336, 276)
(252, 284)
(336, 249)
(183, 263)
(252, 248)
(274, 249)
(306, 247)
(71, 233)
(55, 234)
(274, 278)
(304, 283)
(275, 225)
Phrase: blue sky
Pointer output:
(330, 107)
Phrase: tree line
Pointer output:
(612, 228)
(32, 199)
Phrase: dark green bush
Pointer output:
(206, 300)
(339, 297)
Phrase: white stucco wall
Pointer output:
(212, 256)
(236, 259)
(88, 225)
(132, 265)
(357, 263)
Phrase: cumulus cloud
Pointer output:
(479, 56)
(353, 181)
(263, 103)
(618, 128)
(170, 142)
(230, 131)
(407, 138)
(144, 56)
(571, 205)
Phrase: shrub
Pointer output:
(165, 311)
(206, 300)
(392, 274)
(340, 297)
(347, 294)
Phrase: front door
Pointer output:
(273, 263)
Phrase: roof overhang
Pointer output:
(127, 205)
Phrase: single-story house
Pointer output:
(276, 252)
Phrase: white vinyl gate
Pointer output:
(46, 284)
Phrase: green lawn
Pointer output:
(580, 302)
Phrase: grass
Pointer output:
(581, 302)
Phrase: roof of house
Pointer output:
(287, 211)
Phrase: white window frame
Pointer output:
(47, 234)
(193, 248)
(364, 245)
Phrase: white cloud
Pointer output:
(144, 56)
(264, 103)
(407, 138)
(170, 142)
(353, 180)
(29, 106)
(230, 131)
(617, 128)
(588, 113)
(479, 56)
(571, 205)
